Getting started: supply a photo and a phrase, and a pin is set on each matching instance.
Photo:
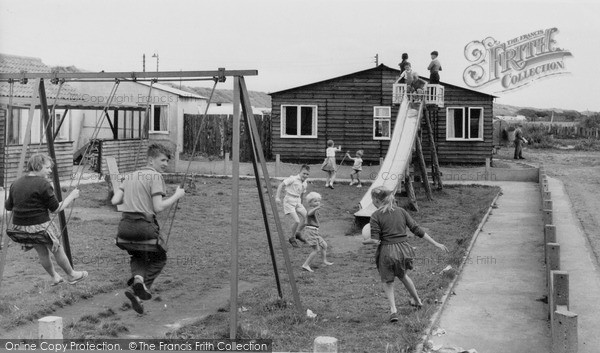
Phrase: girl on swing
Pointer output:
(31, 199)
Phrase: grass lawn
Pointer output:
(347, 297)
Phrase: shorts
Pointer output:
(292, 204)
(311, 237)
(393, 260)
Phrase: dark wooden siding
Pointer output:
(3, 113)
(345, 115)
(64, 159)
(461, 152)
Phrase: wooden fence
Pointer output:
(216, 139)
(572, 132)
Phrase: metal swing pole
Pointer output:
(55, 176)
(247, 109)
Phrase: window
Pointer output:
(464, 123)
(382, 123)
(63, 133)
(299, 121)
(159, 118)
(14, 127)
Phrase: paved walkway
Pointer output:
(496, 306)
(577, 259)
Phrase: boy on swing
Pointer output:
(142, 194)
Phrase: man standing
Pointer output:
(434, 68)
(519, 140)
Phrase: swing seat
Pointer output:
(21, 237)
(150, 245)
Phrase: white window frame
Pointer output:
(386, 117)
(315, 117)
(63, 133)
(466, 124)
(151, 122)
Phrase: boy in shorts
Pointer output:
(295, 187)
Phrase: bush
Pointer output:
(588, 145)
(591, 122)
(538, 137)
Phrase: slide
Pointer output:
(396, 161)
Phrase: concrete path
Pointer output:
(577, 259)
(496, 307)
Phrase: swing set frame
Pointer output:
(242, 109)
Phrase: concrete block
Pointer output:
(50, 328)
(277, 165)
(325, 344)
(546, 195)
(547, 205)
(547, 216)
(559, 291)
(552, 261)
(564, 331)
(225, 161)
(549, 236)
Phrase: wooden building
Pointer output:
(358, 110)
(70, 108)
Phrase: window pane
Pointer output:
(163, 118)
(458, 123)
(382, 128)
(291, 117)
(306, 120)
(474, 118)
(13, 127)
(156, 118)
(382, 112)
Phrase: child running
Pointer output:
(394, 254)
(311, 231)
(31, 199)
(295, 187)
(329, 164)
(356, 168)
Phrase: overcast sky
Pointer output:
(295, 42)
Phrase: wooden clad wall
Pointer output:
(345, 115)
(461, 152)
(3, 113)
(64, 159)
(125, 152)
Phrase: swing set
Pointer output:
(242, 109)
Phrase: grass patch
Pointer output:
(347, 297)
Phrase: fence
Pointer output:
(563, 323)
(216, 139)
(565, 131)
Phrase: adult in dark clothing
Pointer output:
(519, 140)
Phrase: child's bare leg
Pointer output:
(295, 221)
(332, 178)
(306, 264)
(301, 212)
(324, 251)
(388, 288)
(46, 262)
(358, 178)
(410, 287)
(63, 262)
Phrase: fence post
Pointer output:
(50, 328)
(488, 162)
(564, 331)
(225, 161)
(552, 262)
(325, 344)
(277, 165)
(559, 291)
(549, 237)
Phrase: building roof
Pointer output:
(17, 64)
(176, 91)
(380, 67)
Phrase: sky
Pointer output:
(296, 42)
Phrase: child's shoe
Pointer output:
(139, 288)
(294, 242)
(136, 303)
(359, 186)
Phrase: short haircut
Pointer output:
(37, 161)
(305, 166)
(359, 152)
(156, 149)
(434, 53)
(312, 195)
(330, 143)
(404, 56)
